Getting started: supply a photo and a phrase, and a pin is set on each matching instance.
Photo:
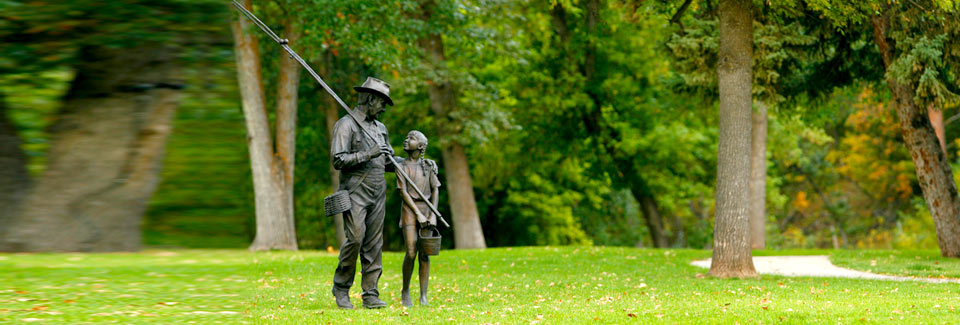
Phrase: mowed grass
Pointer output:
(590, 284)
(918, 263)
(499, 285)
(170, 287)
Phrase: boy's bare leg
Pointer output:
(424, 276)
(410, 240)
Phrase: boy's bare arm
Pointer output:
(434, 198)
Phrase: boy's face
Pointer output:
(411, 143)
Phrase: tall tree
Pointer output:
(468, 232)
(105, 155)
(785, 50)
(933, 170)
(758, 176)
(731, 253)
(272, 169)
(110, 133)
(919, 47)
(331, 113)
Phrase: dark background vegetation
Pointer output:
(838, 175)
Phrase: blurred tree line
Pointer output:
(577, 122)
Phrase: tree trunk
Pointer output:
(286, 118)
(648, 203)
(467, 230)
(331, 115)
(758, 178)
(936, 120)
(731, 253)
(274, 220)
(105, 154)
(651, 214)
(14, 178)
(933, 170)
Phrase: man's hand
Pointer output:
(375, 152)
(386, 150)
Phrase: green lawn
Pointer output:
(592, 284)
(172, 287)
(924, 263)
(505, 285)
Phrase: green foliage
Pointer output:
(32, 100)
(39, 35)
(921, 65)
(557, 155)
(204, 198)
(850, 180)
(926, 50)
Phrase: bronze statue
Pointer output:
(423, 175)
(362, 163)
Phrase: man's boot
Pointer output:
(343, 299)
(372, 302)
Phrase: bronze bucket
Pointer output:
(430, 241)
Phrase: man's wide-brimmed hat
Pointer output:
(376, 86)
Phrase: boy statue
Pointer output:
(415, 216)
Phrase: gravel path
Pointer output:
(818, 266)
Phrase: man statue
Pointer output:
(362, 163)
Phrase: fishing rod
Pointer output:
(284, 43)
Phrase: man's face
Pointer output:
(376, 107)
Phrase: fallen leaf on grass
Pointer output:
(167, 303)
(40, 308)
(68, 301)
(31, 320)
(632, 315)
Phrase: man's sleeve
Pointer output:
(340, 148)
(400, 181)
(387, 166)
